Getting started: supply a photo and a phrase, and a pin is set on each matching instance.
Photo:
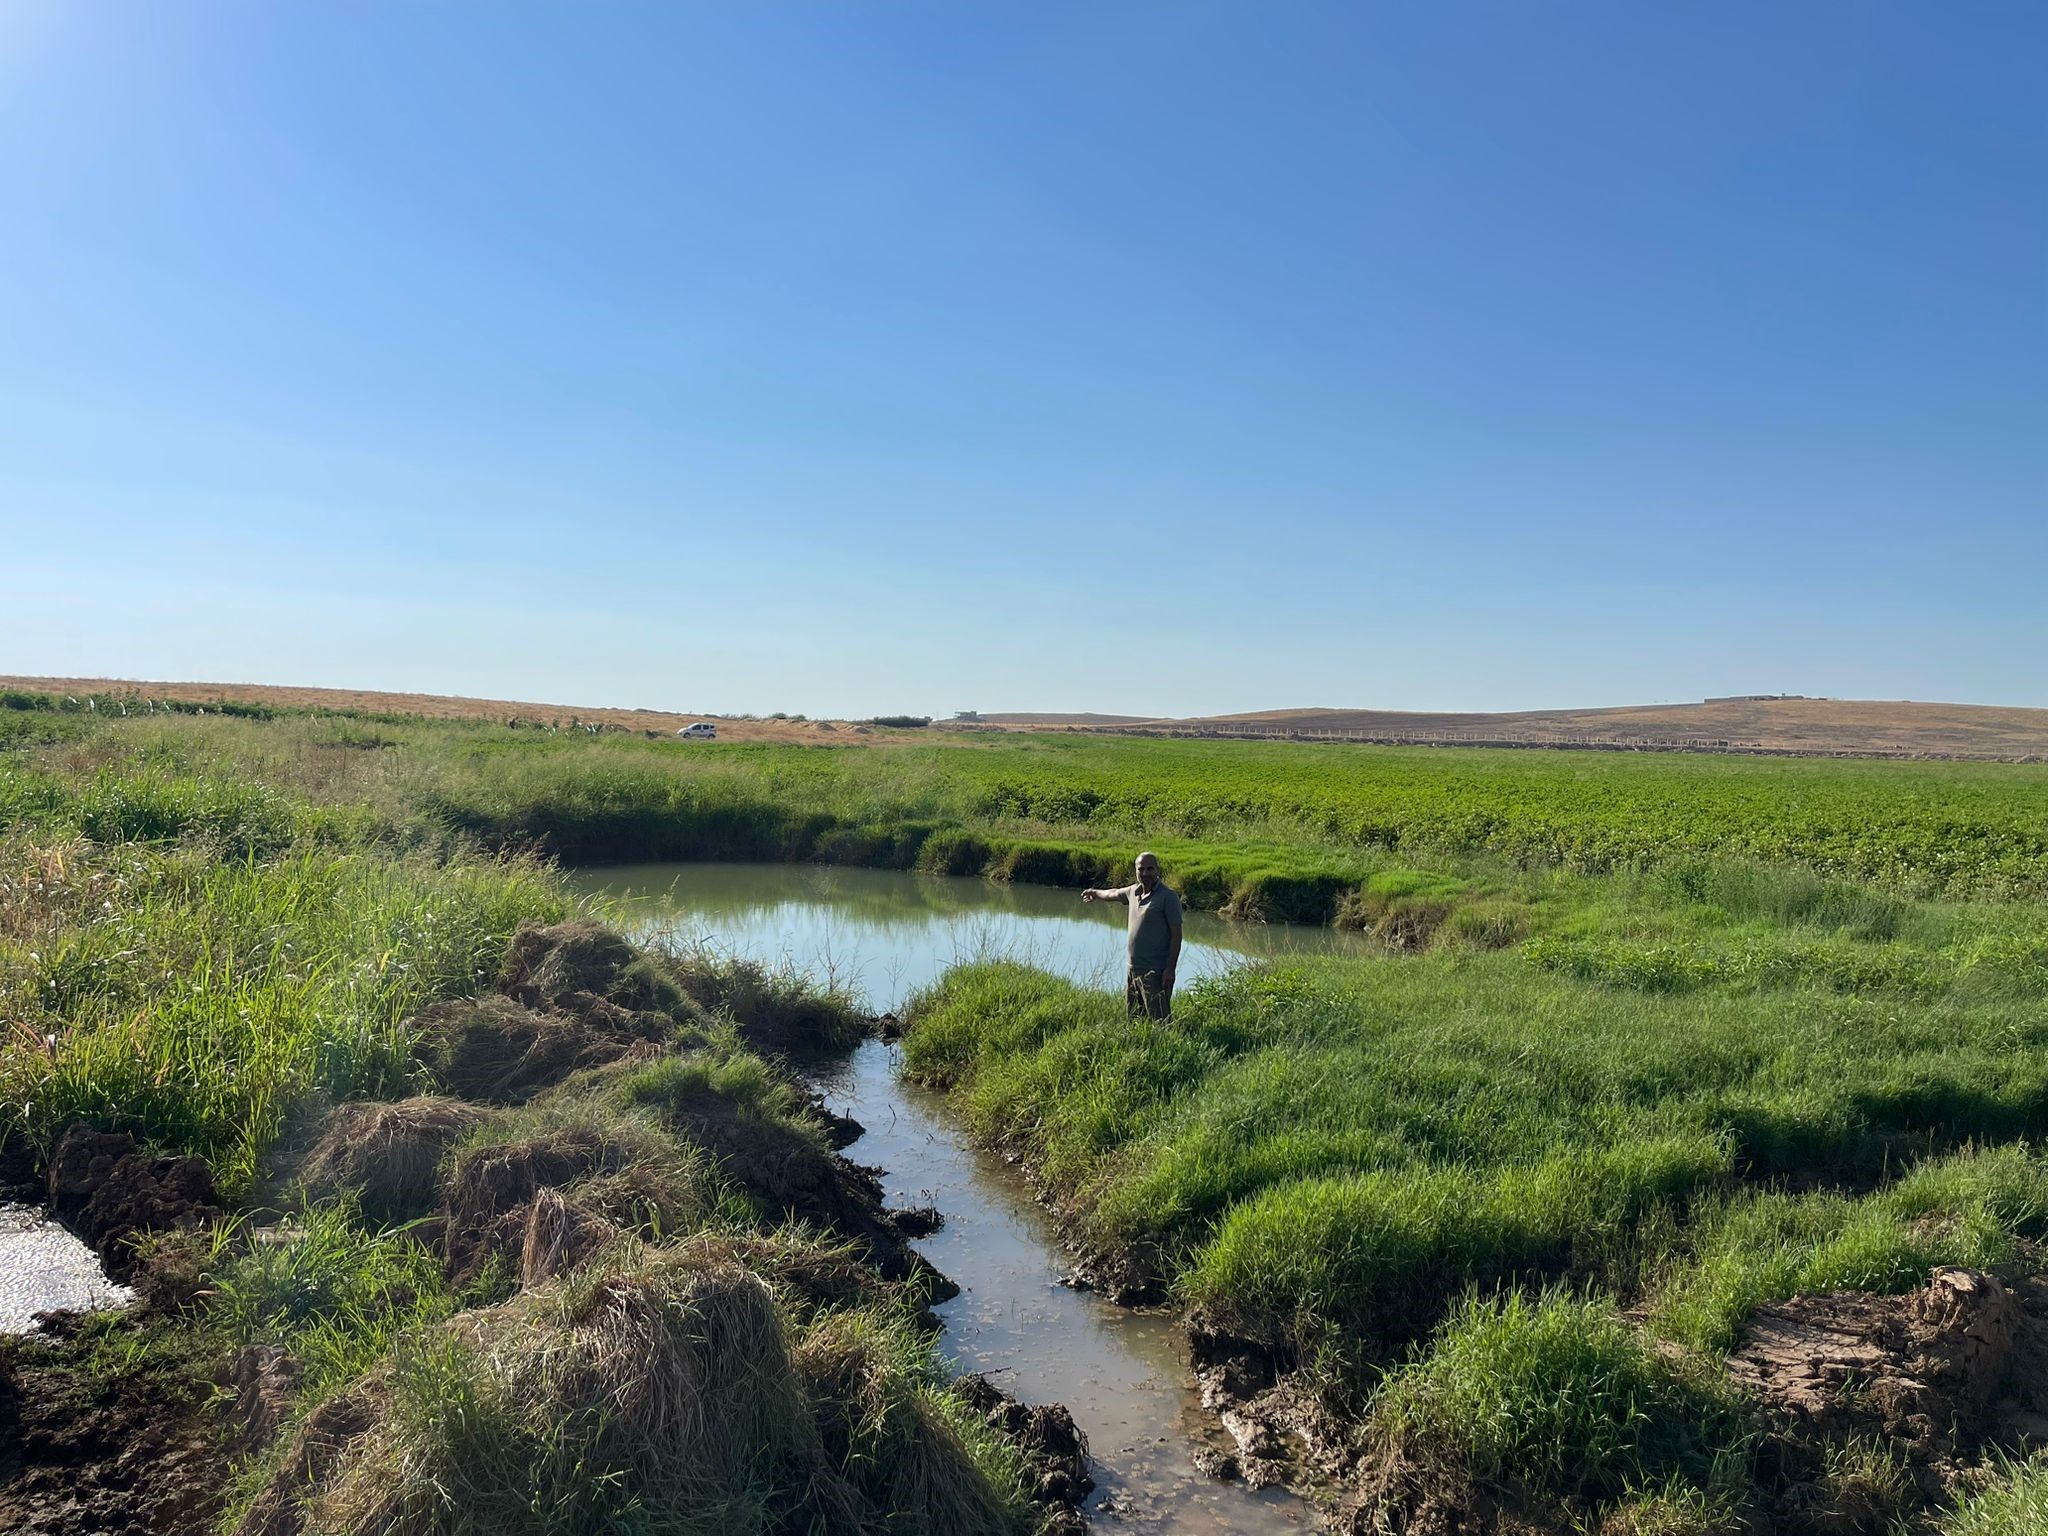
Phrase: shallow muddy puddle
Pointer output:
(1124, 1375)
(44, 1268)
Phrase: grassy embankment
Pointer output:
(1677, 1034)
(561, 1293)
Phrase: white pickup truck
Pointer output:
(703, 730)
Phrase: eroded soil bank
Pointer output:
(580, 1296)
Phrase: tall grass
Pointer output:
(198, 959)
(200, 999)
(1325, 1151)
(2014, 1505)
(1264, 829)
(1561, 1394)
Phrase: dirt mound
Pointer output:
(493, 1050)
(841, 1131)
(328, 1431)
(1939, 1373)
(810, 1277)
(1401, 1495)
(491, 1190)
(568, 966)
(916, 1220)
(78, 1456)
(787, 1172)
(775, 1014)
(671, 1380)
(386, 1155)
(1055, 1451)
(108, 1190)
(260, 1379)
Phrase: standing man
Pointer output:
(1154, 939)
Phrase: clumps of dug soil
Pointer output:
(1937, 1376)
(494, 1050)
(597, 1178)
(109, 1191)
(93, 1453)
(575, 966)
(571, 997)
(577, 995)
(1054, 1450)
(775, 1014)
(755, 1130)
(310, 1459)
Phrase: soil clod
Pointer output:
(1938, 1375)
(108, 1190)
(916, 1220)
(1055, 1451)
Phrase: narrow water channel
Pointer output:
(1123, 1374)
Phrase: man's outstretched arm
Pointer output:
(1107, 893)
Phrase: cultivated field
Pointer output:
(1679, 1084)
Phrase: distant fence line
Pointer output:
(1584, 741)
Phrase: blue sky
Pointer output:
(1175, 357)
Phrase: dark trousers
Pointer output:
(1147, 996)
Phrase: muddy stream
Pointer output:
(1123, 1374)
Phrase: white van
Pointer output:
(703, 730)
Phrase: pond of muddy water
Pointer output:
(1123, 1374)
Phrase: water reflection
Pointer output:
(1122, 1374)
(885, 933)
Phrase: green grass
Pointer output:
(1562, 1395)
(1283, 830)
(1683, 1034)
(1763, 1245)
(668, 1395)
(2014, 1505)
(197, 998)
(216, 957)
(335, 1295)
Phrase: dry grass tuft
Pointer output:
(387, 1156)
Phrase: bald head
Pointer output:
(1148, 870)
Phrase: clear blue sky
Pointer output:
(1176, 357)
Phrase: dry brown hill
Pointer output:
(439, 707)
(1853, 726)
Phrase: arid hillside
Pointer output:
(1874, 727)
(437, 707)
(1788, 724)
(1853, 727)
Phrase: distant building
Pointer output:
(1758, 698)
(966, 714)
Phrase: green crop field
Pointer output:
(1650, 1043)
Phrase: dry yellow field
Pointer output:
(1852, 726)
(438, 707)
